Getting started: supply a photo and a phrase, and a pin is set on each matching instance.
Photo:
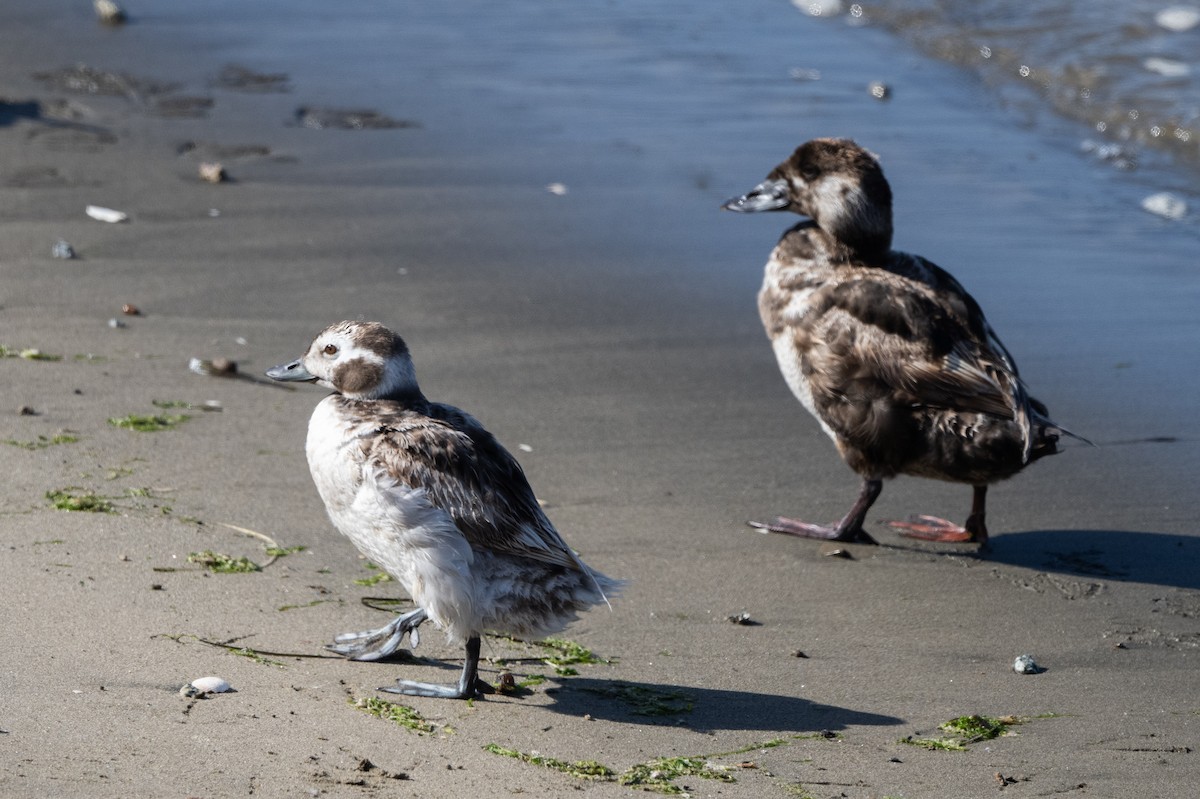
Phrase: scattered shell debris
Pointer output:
(109, 12)
(1166, 205)
(835, 551)
(742, 619)
(557, 189)
(217, 367)
(102, 214)
(63, 249)
(1024, 664)
(212, 172)
(203, 686)
(1178, 19)
(879, 90)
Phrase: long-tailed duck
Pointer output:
(890, 354)
(425, 492)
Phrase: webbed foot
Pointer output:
(378, 644)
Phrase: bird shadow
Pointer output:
(1124, 555)
(703, 709)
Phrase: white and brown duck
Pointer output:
(425, 492)
(891, 355)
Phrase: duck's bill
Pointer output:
(770, 195)
(293, 372)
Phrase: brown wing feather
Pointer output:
(468, 474)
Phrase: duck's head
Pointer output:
(837, 184)
(360, 360)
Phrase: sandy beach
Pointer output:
(533, 204)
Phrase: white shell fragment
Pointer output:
(1178, 18)
(1024, 664)
(557, 189)
(1166, 205)
(102, 214)
(205, 685)
(109, 12)
(63, 249)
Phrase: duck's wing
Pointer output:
(932, 348)
(465, 472)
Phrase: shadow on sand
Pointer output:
(703, 709)
(1158, 558)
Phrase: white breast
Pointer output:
(392, 524)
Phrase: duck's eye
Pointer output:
(809, 173)
(330, 349)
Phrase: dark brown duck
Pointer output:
(887, 350)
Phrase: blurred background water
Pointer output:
(1128, 69)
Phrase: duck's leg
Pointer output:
(466, 688)
(848, 529)
(931, 528)
(378, 644)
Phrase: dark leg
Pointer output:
(931, 528)
(466, 688)
(378, 644)
(848, 529)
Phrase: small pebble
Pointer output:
(26, 410)
(212, 172)
(743, 619)
(1178, 19)
(879, 90)
(109, 12)
(116, 324)
(1024, 664)
(130, 310)
(63, 249)
(1166, 205)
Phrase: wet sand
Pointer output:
(608, 336)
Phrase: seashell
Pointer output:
(557, 189)
(109, 12)
(102, 214)
(130, 310)
(63, 249)
(205, 685)
(1166, 205)
(1024, 664)
(212, 172)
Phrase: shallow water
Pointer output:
(1115, 65)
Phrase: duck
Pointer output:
(890, 354)
(424, 491)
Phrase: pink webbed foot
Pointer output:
(808, 530)
(931, 528)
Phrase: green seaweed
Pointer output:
(567, 654)
(583, 769)
(403, 715)
(223, 564)
(87, 502)
(44, 442)
(250, 654)
(645, 701)
(149, 424)
(659, 775)
(283, 552)
(28, 353)
(167, 404)
(314, 603)
(965, 730)
(380, 576)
